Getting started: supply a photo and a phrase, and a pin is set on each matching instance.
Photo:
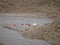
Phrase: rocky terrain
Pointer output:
(48, 32)
(47, 8)
(28, 5)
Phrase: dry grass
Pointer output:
(48, 32)
(29, 6)
(48, 8)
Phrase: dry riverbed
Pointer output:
(48, 32)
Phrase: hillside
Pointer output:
(49, 7)
(29, 5)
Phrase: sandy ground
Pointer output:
(1, 43)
